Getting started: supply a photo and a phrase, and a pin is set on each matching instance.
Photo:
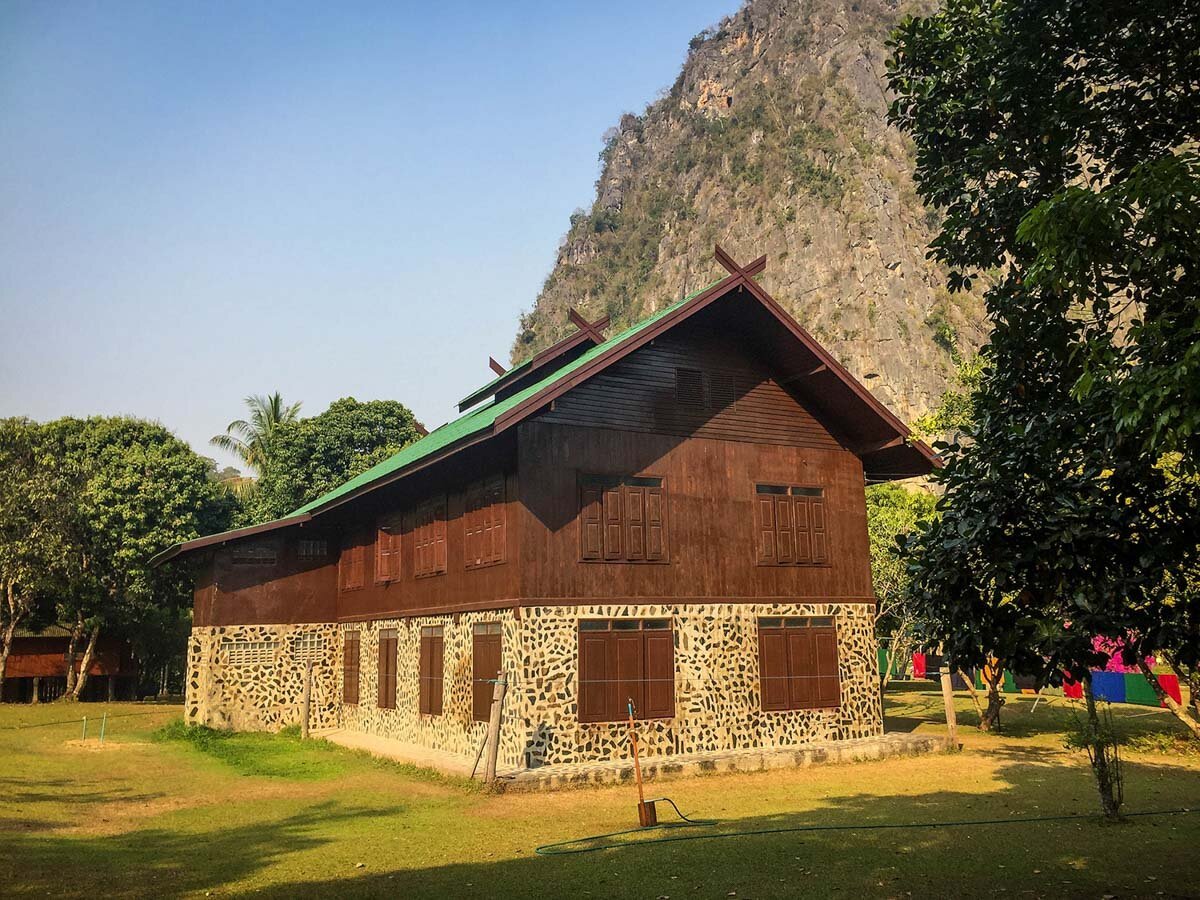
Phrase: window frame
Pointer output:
(606, 528)
(785, 648)
(309, 549)
(350, 697)
(488, 637)
(485, 526)
(614, 639)
(352, 565)
(431, 673)
(389, 533)
(810, 498)
(429, 538)
(387, 653)
(255, 554)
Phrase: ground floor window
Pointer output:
(431, 670)
(798, 663)
(350, 669)
(485, 668)
(623, 661)
(387, 668)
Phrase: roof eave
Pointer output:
(224, 537)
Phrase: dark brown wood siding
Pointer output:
(710, 497)
(695, 382)
(291, 590)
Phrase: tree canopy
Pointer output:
(251, 439)
(311, 456)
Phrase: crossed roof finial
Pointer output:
(595, 330)
(734, 269)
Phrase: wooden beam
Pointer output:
(593, 329)
(496, 367)
(880, 445)
(815, 370)
(734, 269)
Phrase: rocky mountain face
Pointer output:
(774, 140)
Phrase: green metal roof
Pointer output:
(479, 420)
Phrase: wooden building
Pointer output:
(36, 671)
(673, 516)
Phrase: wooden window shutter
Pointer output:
(591, 533)
(485, 669)
(820, 552)
(439, 536)
(613, 523)
(594, 675)
(630, 674)
(828, 682)
(802, 668)
(635, 522)
(425, 675)
(656, 526)
(803, 529)
(773, 668)
(785, 539)
(660, 674)
(767, 551)
(473, 528)
(387, 672)
(437, 655)
(350, 669)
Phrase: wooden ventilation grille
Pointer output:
(689, 387)
(722, 390)
(249, 653)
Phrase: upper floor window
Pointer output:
(790, 520)
(429, 538)
(387, 550)
(483, 523)
(312, 549)
(351, 567)
(622, 519)
(252, 555)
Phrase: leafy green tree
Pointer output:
(315, 455)
(1057, 138)
(137, 489)
(955, 412)
(34, 509)
(250, 440)
(892, 511)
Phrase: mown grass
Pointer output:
(172, 811)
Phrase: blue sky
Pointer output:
(199, 201)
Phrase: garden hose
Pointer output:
(563, 848)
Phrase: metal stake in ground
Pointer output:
(647, 814)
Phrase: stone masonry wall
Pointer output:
(717, 701)
(251, 677)
(452, 731)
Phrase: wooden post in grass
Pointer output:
(493, 735)
(951, 715)
(306, 703)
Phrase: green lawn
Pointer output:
(147, 815)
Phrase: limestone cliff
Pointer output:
(774, 140)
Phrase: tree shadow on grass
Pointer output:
(857, 854)
(164, 862)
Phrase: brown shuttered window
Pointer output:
(485, 668)
(429, 538)
(798, 663)
(431, 671)
(623, 661)
(350, 668)
(483, 524)
(387, 550)
(622, 519)
(790, 525)
(352, 565)
(387, 669)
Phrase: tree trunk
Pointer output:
(10, 629)
(72, 652)
(974, 694)
(990, 721)
(1106, 764)
(88, 654)
(1169, 702)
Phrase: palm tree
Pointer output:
(251, 440)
